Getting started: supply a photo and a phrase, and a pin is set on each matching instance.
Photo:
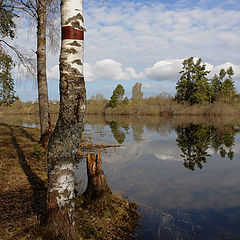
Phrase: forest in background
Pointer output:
(195, 95)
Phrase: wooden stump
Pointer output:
(97, 181)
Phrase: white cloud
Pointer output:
(131, 40)
(109, 69)
(105, 69)
(169, 69)
(137, 34)
(147, 86)
(89, 73)
(236, 69)
(165, 70)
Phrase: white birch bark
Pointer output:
(72, 49)
(66, 137)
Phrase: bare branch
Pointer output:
(27, 62)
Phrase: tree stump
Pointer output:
(97, 182)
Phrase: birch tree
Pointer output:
(40, 11)
(44, 112)
(65, 140)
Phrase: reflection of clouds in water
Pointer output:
(164, 184)
(151, 172)
(161, 149)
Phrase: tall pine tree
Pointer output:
(193, 86)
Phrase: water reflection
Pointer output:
(119, 131)
(196, 141)
(149, 168)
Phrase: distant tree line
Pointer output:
(195, 88)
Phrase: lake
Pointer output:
(182, 172)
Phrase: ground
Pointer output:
(23, 181)
(20, 172)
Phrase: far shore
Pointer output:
(153, 106)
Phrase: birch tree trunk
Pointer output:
(44, 113)
(65, 140)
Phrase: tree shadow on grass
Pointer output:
(29, 136)
(37, 185)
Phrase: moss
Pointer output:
(110, 217)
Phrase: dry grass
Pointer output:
(110, 217)
(18, 153)
(159, 106)
(23, 181)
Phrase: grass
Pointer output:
(152, 106)
(16, 147)
(23, 181)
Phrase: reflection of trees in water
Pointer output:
(223, 141)
(195, 140)
(119, 131)
(120, 127)
(137, 132)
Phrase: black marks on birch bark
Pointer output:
(76, 24)
(68, 68)
(75, 71)
(75, 43)
(73, 97)
(79, 16)
(77, 61)
(79, 108)
(70, 50)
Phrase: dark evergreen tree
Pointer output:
(222, 86)
(117, 95)
(215, 88)
(7, 26)
(7, 93)
(228, 85)
(193, 86)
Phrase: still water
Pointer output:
(182, 172)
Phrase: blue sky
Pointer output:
(145, 41)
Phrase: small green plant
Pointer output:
(37, 152)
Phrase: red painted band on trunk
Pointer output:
(69, 32)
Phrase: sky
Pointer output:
(143, 41)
